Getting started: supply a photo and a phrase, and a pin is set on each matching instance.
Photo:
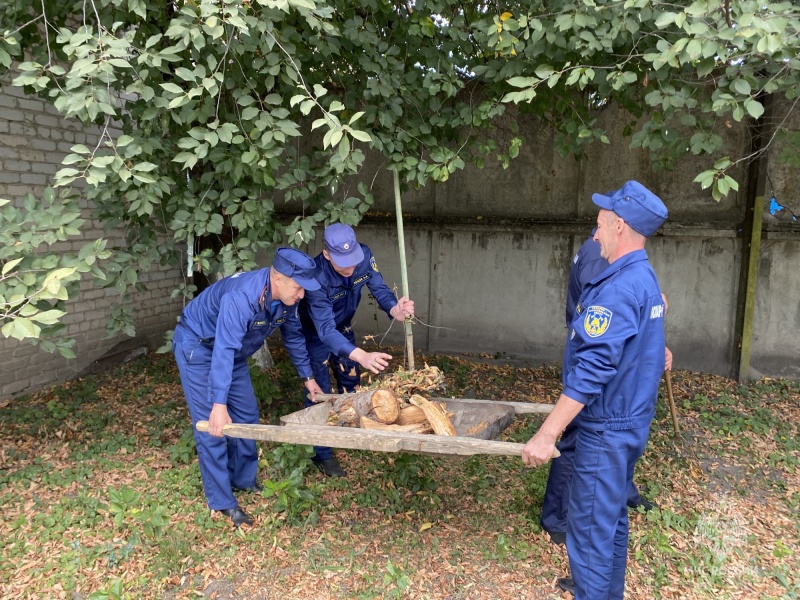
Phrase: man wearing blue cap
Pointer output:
(586, 265)
(343, 268)
(218, 330)
(613, 362)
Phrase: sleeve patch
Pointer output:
(373, 264)
(597, 321)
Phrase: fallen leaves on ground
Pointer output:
(399, 526)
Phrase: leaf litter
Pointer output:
(399, 526)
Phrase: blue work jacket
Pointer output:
(614, 357)
(233, 317)
(326, 312)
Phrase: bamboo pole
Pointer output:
(751, 286)
(403, 270)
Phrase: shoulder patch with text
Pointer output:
(597, 320)
(373, 264)
(657, 312)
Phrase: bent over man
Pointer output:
(219, 329)
(613, 362)
(343, 268)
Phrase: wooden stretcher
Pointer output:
(477, 424)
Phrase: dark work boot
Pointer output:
(644, 503)
(330, 467)
(565, 584)
(559, 538)
(257, 487)
(237, 516)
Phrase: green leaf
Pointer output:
(665, 19)
(754, 108)
(48, 317)
(9, 266)
(172, 88)
(522, 82)
(361, 136)
(21, 328)
(250, 113)
(741, 86)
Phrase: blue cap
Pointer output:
(341, 244)
(639, 207)
(297, 265)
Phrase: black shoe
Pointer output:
(238, 516)
(257, 487)
(645, 504)
(565, 584)
(559, 538)
(330, 467)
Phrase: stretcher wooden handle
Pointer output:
(369, 439)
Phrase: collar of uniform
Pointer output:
(620, 263)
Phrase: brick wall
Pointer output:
(33, 141)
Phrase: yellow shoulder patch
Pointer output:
(597, 320)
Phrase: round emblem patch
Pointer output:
(597, 320)
(347, 246)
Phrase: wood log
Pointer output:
(436, 417)
(380, 405)
(410, 415)
(520, 408)
(421, 427)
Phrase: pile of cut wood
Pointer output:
(405, 383)
(382, 409)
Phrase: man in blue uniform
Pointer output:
(586, 265)
(218, 331)
(343, 268)
(613, 363)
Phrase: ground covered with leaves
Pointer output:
(101, 499)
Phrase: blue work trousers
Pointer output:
(597, 520)
(346, 372)
(555, 504)
(225, 463)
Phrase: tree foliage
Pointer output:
(35, 285)
(214, 113)
(685, 69)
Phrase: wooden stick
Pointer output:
(398, 207)
(369, 439)
(675, 428)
